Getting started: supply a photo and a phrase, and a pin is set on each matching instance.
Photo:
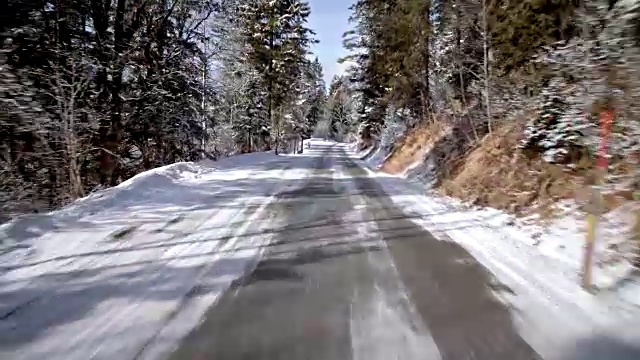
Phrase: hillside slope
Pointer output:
(546, 199)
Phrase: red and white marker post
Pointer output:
(595, 208)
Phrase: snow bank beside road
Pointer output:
(146, 187)
(542, 280)
(126, 272)
(561, 239)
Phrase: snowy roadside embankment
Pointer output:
(104, 277)
(143, 191)
(539, 266)
(561, 239)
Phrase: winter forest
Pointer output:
(94, 91)
(502, 101)
(482, 61)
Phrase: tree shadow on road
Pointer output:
(603, 348)
(36, 304)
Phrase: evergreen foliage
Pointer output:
(95, 91)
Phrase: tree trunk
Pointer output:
(76, 189)
(111, 134)
(75, 179)
(485, 43)
(424, 91)
(270, 91)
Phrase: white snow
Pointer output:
(321, 142)
(128, 271)
(372, 154)
(376, 158)
(541, 265)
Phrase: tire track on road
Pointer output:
(451, 290)
(154, 274)
(302, 289)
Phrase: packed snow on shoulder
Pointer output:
(149, 188)
(540, 265)
(109, 276)
(320, 142)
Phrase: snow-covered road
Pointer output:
(261, 257)
(131, 270)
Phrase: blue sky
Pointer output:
(330, 19)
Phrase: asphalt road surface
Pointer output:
(284, 258)
(349, 276)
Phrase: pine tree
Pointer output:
(278, 44)
(557, 130)
(93, 92)
(316, 95)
